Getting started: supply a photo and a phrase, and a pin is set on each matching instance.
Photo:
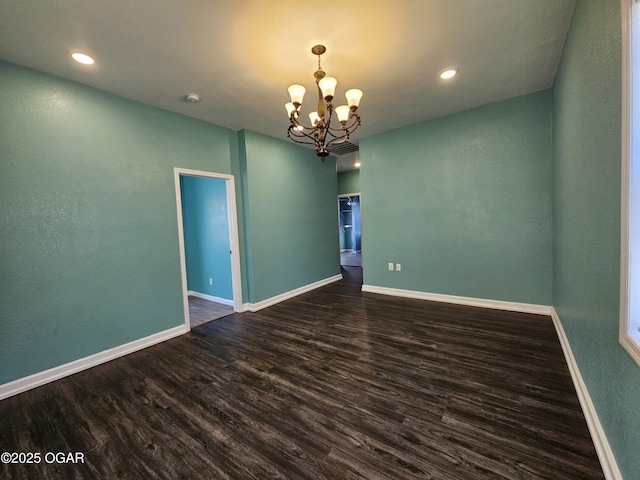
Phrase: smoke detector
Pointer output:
(192, 98)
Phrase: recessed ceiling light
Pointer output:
(357, 164)
(448, 73)
(82, 58)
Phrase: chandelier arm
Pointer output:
(316, 135)
(293, 133)
(301, 132)
(305, 132)
(337, 140)
(344, 134)
(355, 123)
(345, 131)
(324, 126)
(297, 123)
(293, 139)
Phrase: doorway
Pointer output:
(350, 230)
(208, 239)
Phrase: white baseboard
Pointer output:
(41, 378)
(470, 301)
(605, 455)
(211, 298)
(254, 307)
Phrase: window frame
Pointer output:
(628, 338)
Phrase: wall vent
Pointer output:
(342, 148)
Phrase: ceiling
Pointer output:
(240, 56)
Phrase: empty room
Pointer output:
(339, 240)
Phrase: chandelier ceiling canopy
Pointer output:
(321, 133)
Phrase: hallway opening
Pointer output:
(350, 231)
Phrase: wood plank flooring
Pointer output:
(350, 258)
(203, 311)
(333, 384)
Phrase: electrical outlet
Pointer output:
(210, 281)
(398, 267)
(390, 267)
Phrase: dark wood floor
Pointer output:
(334, 384)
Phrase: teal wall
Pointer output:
(205, 217)
(89, 255)
(349, 182)
(89, 237)
(291, 219)
(463, 202)
(586, 216)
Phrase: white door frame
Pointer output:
(232, 212)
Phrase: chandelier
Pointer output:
(322, 134)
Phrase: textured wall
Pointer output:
(290, 206)
(89, 254)
(586, 214)
(463, 203)
(348, 182)
(205, 217)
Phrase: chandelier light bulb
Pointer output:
(328, 87)
(290, 108)
(343, 113)
(353, 97)
(314, 117)
(297, 94)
